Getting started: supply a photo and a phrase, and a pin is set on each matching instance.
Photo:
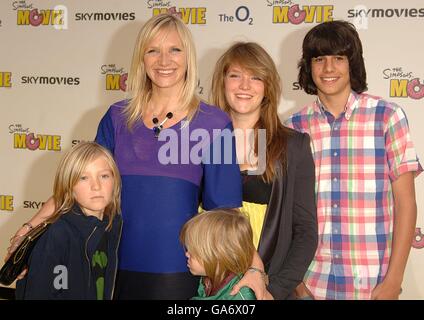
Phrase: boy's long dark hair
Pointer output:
(333, 38)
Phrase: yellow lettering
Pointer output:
(201, 15)
(185, 14)
(46, 16)
(43, 141)
(280, 14)
(48, 142)
(6, 202)
(319, 13)
(8, 79)
(5, 78)
(193, 15)
(157, 11)
(57, 17)
(398, 88)
(310, 13)
(56, 143)
(23, 17)
(19, 141)
(327, 13)
(112, 81)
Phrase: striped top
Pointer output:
(357, 157)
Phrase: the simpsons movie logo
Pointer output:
(285, 11)
(403, 84)
(116, 78)
(24, 139)
(28, 15)
(6, 202)
(5, 79)
(189, 15)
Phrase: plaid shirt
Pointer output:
(357, 156)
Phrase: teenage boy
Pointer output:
(365, 167)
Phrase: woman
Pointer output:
(278, 193)
(163, 172)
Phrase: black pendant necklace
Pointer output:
(159, 126)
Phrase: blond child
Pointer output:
(219, 248)
(76, 258)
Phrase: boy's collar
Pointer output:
(349, 107)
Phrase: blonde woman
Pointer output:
(219, 248)
(80, 247)
(164, 172)
(279, 197)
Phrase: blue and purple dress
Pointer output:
(163, 181)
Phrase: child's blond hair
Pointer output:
(69, 171)
(221, 240)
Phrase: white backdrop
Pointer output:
(62, 63)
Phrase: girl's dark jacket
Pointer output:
(289, 235)
(60, 263)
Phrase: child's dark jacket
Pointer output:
(62, 259)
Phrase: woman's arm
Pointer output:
(42, 215)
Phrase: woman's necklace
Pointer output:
(157, 127)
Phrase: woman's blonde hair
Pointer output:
(139, 84)
(253, 58)
(70, 170)
(222, 240)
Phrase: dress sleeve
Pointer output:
(221, 186)
(106, 132)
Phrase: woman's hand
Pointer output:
(15, 241)
(255, 281)
(302, 292)
(42, 215)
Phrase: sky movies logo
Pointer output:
(365, 12)
(50, 80)
(104, 16)
(30, 204)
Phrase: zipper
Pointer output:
(116, 261)
(86, 255)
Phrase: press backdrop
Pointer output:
(62, 63)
